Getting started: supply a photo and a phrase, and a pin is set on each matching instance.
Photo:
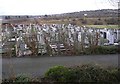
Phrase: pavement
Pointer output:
(37, 66)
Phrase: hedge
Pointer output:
(72, 75)
(101, 50)
(84, 73)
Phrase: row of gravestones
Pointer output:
(55, 32)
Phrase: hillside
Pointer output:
(92, 17)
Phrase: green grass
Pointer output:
(104, 26)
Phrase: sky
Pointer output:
(42, 7)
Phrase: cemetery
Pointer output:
(56, 39)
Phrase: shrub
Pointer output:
(115, 74)
(72, 75)
(22, 78)
(61, 74)
(102, 50)
(84, 73)
(55, 73)
(18, 79)
(93, 73)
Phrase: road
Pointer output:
(37, 66)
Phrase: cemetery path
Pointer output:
(38, 65)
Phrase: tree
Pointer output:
(32, 41)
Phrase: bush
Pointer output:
(61, 74)
(18, 79)
(55, 73)
(72, 75)
(93, 73)
(84, 73)
(102, 50)
(115, 74)
(22, 78)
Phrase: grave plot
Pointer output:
(56, 39)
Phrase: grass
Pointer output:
(90, 22)
(104, 26)
(79, 24)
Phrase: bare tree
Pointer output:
(32, 41)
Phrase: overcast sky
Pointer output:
(41, 7)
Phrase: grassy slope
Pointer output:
(78, 22)
(104, 26)
(67, 21)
